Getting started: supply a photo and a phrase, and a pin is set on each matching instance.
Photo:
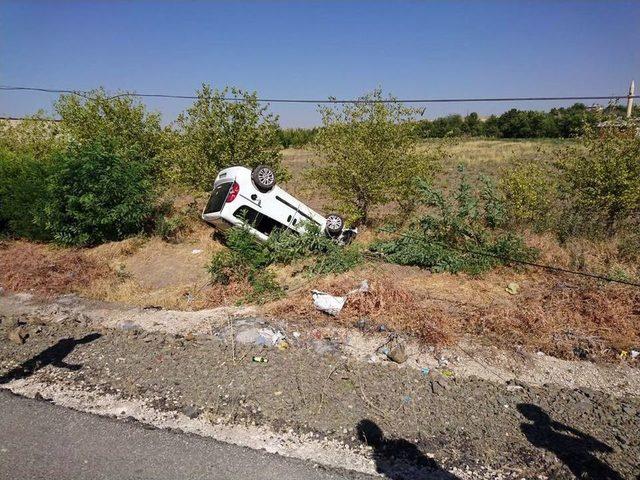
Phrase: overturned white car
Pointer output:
(252, 199)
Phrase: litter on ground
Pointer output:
(328, 303)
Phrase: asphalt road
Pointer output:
(39, 440)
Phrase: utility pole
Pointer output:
(632, 88)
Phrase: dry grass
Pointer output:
(150, 271)
(388, 302)
(46, 270)
(567, 320)
(552, 313)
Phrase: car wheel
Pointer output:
(334, 224)
(263, 177)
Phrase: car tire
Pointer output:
(334, 224)
(264, 178)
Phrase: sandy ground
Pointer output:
(451, 420)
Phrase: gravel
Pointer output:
(457, 422)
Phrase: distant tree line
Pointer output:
(556, 123)
(296, 137)
(514, 123)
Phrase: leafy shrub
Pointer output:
(215, 133)
(23, 194)
(531, 195)
(248, 259)
(36, 136)
(600, 178)
(173, 218)
(168, 227)
(286, 246)
(462, 233)
(95, 194)
(134, 133)
(368, 155)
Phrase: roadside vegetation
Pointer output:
(108, 172)
(463, 232)
(367, 157)
(248, 260)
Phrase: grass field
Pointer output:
(478, 156)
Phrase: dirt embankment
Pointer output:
(444, 419)
(557, 315)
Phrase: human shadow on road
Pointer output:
(572, 447)
(53, 355)
(399, 459)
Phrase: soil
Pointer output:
(446, 418)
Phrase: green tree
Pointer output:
(134, 133)
(98, 192)
(473, 125)
(23, 195)
(369, 156)
(600, 178)
(215, 133)
(37, 136)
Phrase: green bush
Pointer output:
(168, 227)
(368, 155)
(248, 259)
(531, 195)
(97, 194)
(36, 136)
(23, 194)
(133, 132)
(463, 233)
(600, 179)
(215, 133)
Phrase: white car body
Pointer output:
(260, 212)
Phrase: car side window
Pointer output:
(257, 220)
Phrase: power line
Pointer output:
(33, 119)
(330, 100)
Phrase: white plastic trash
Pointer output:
(328, 303)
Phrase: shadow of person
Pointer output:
(572, 447)
(399, 459)
(53, 355)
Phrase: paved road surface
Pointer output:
(39, 440)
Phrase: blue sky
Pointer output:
(316, 49)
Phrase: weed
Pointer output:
(530, 195)
(462, 233)
(169, 227)
(248, 259)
